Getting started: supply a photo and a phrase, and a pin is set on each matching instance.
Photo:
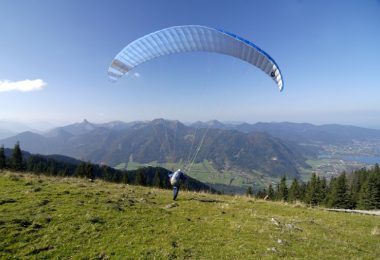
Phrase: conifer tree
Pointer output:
(311, 193)
(303, 187)
(140, 178)
(356, 186)
(2, 158)
(17, 163)
(52, 170)
(89, 171)
(339, 195)
(105, 171)
(283, 189)
(271, 194)
(62, 172)
(364, 199)
(249, 192)
(157, 179)
(376, 173)
(116, 176)
(30, 164)
(80, 171)
(376, 169)
(164, 182)
(294, 191)
(277, 191)
(261, 194)
(369, 197)
(322, 189)
(125, 177)
(329, 190)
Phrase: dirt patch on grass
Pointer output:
(207, 200)
(365, 212)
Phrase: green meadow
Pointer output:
(48, 217)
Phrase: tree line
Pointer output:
(357, 190)
(39, 164)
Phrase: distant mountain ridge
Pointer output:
(270, 148)
(4, 133)
(301, 132)
(167, 141)
(56, 157)
(85, 127)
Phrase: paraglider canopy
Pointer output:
(192, 38)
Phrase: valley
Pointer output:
(229, 157)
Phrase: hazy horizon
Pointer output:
(16, 126)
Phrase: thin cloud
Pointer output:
(137, 75)
(23, 85)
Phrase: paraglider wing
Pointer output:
(192, 38)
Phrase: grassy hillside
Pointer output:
(45, 217)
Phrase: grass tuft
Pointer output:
(3, 201)
(36, 189)
(38, 250)
(95, 219)
(375, 231)
(22, 222)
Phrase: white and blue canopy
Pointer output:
(192, 38)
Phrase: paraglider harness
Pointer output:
(175, 181)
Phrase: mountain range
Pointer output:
(270, 148)
(332, 134)
(167, 141)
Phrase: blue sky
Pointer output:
(328, 52)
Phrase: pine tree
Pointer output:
(89, 171)
(80, 171)
(271, 194)
(322, 188)
(17, 163)
(38, 167)
(2, 158)
(140, 178)
(376, 169)
(282, 190)
(116, 176)
(165, 181)
(339, 196)
(311, 193)
(369, 196)
(249, 192)
(157, 179)
(125, 177)
(261, 194)
(30, 164)
(356, 186)
(106, 173)
(294, 191)
(52, 170)
(376, 173)
(364, 200)
(303, 187)
(329, 190)
(62, 172)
